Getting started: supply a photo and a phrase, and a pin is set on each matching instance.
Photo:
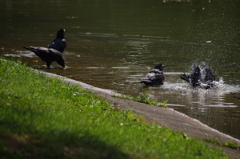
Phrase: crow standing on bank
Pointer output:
(47, 54)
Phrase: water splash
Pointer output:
(221, 87)
(19, 53)
(190, 96)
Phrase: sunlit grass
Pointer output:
(143, 98)
(43, 117)
(229, 144)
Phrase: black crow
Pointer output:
(203, 78)
(59, 43)
(237, 97)
(47, 54)
(155, 76)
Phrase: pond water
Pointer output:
(113, 43)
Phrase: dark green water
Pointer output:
(113, 43)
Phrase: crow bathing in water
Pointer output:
(47, 54)
(59, 43)
(155, 76)
(196, 79)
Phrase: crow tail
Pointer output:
(28, 48)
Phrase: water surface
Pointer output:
(113, 43)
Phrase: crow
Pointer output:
(203, 78)
(154, 77)
(59, 43)
(237, 97)
(47, 54)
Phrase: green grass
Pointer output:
(43, 117)
(229, 144)
(143, 98)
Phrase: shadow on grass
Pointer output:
(55, 144)
(21, 137)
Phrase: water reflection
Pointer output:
(165, 1)
(114, 43)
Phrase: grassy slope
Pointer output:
(42, 117)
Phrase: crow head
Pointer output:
(61, 62)
(60, 33)
(160, 67)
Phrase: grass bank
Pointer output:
(43, 117)
(143, 98)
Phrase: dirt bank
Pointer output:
(165, 116)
